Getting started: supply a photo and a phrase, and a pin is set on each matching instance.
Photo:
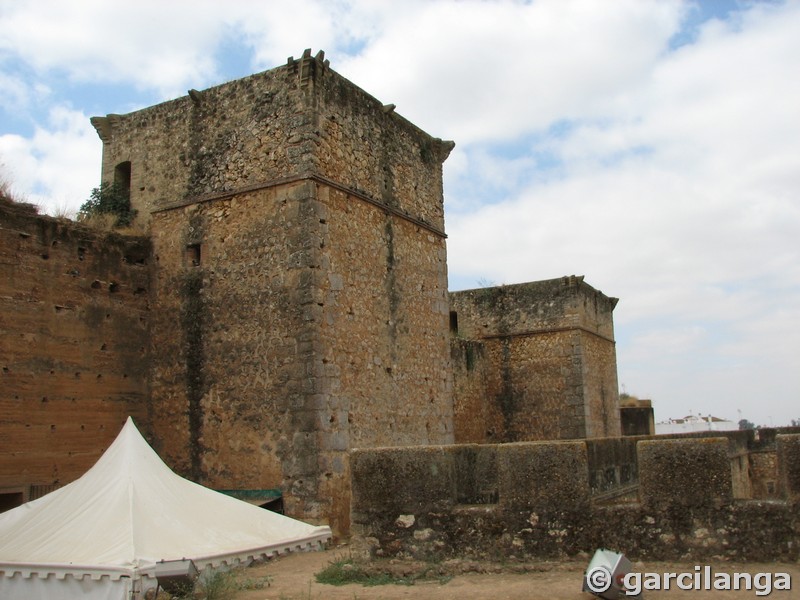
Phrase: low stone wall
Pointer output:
(534, 499)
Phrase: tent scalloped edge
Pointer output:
(95, 573)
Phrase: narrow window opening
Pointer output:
(122, 176)
(453, 321)
(193, 255)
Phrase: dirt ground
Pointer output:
(291, 577)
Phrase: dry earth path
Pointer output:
(292, 577)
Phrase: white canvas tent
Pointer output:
(101, 536)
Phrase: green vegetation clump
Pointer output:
(109, 200)
(347, 570)
(344, 571)
(222, 585)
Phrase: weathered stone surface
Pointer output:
(383, 479)
(684, 473)
(73, 345)
(543, 477)
(542, 507)
(300, 290)
(274, 125)
(788, 458)
(534, 361)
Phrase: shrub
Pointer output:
(109, 199)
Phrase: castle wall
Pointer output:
(384, 324)
(230, 340)
(224, 138)
(534, 499)
(475, 420)
(301, 288)
(318, 326)
(74, 310)
(365, 146)
(550, 348)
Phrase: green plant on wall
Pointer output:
(109, 199)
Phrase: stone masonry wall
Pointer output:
(301, 299)
(74, 310)
(788, 458)
(474, 419)
(224, 138)
(228, 342)
(384, 324)
(299, 119)
(552, 362)
(534, 500)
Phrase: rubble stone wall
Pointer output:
(534, 499)
(298, 119)
(301, 293)
(551, 362)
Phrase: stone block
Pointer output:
(402, 480)
(684, 473)
(543, 477)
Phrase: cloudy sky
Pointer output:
(652, 146)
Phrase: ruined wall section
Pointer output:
(74, 308)
(553, 363)
(539, 499)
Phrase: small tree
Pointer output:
(745, 424)
(109, 199)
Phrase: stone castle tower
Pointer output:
(288, 304)
(300, 291)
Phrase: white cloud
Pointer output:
(495, 70)
(153, 45)
(14, 93)
(59, 165)
(678, 193)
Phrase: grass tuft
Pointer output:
(347, 570)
